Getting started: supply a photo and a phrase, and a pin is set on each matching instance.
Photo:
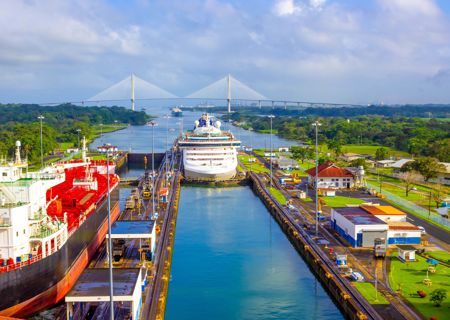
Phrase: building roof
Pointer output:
(387, 161)
(383, 210)
(390, 210)
(406, 247)
(358, 216)
(447, 167)
(396, 225)
(93, 285)
(399, 163)
(132, 229)
(329, 170)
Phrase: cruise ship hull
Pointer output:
(42, 284)
(191, 174)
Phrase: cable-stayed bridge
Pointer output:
(228, 89)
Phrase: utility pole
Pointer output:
(78, 134)
(316, 124)
(271, 117)
(153, 124)
(111, 286)
(41, 117)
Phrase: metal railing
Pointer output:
(414, 208)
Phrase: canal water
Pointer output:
(232, 261)
(139, 138)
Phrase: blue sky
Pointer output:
(352, 51)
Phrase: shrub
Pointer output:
(438, 296)
(421, 293)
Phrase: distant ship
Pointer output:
(205, 105)
(208, 152)
(177, 112)
(52, 222)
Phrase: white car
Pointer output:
(422, 229)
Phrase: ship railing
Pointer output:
(43, 175)
(21, 264)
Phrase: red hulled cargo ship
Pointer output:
(51, 224)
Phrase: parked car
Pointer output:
(422, 229)
(357, 276)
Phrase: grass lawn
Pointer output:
(274, 131)
(108, 128)
(400, 183)
(364, 149)
(440, 255)
(278, 195)
(65, 145)
(307, 199)
(418, 198)
(260, 152)
(367, 290)
(255, 166)
(341, 201)
(408, 278)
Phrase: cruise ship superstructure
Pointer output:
(208, 152)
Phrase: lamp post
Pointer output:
(167, 146)
(316, 124)
(101, 132)
(78, 134)
(153, 124)
(271, 117)
(111, 286)
(41, 117)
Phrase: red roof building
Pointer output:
(331, 176)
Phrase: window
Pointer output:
(23, 231)
(5, 174)
(17, 233)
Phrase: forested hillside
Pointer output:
(60, 124)
(420, 137)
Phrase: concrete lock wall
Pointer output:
(343, 298)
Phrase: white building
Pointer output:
(331, 176)
(358, 227)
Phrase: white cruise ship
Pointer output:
(208, 152)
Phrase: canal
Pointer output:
(232, 261)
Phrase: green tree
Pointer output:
(301, 153)
(336, 146)
(359, 162)
(381, 153)
(438, 195)
(427, 167)
(438, 296)
(409, 178)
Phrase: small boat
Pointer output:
(177, 112)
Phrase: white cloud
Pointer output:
(48, 30)
(412, 7)
(286, 7)
(317, 4)
(299, 49)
